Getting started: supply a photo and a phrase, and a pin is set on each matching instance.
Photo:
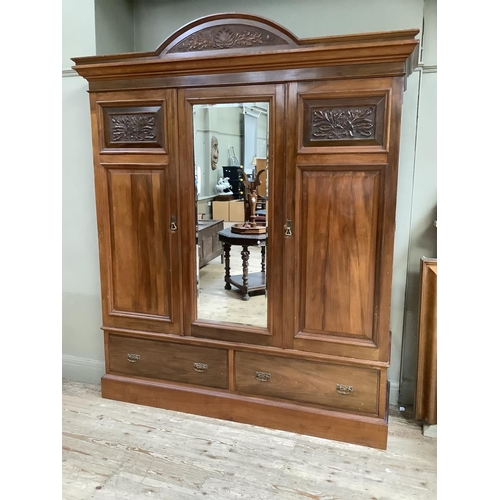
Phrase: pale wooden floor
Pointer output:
(114, 450)
(217, 303)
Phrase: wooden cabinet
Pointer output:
(209, 246)
(331, 147)
(426, 388)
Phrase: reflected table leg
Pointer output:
(227, 257)
(247, 282)
(245, 254)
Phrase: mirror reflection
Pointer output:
(231, 144)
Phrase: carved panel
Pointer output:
(229, 36)
(133, 127)
(343, 123)
(339, 122)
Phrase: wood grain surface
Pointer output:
(334, 107)
(174, 362)
(426, 388)
(308, 382)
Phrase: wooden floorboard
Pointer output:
(115, 450)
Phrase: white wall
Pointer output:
(155, 20)
(225, 124)
(82, 340)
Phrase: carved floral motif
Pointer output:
(133, 128)
(227, 38)
(343, 123)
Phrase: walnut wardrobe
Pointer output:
(319, 364)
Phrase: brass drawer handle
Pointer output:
(200, 367)
(133, 358)
(344, 389)
(262, 376)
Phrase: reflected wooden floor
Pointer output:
(217, 303)
(114, 450)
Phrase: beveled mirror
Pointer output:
(231, 169)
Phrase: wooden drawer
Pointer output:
(166, 361)
(337, 387)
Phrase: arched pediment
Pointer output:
(242, 43)
(225, 32)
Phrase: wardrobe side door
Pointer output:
(341, 195)
(136, 179)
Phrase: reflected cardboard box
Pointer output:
(229, 211)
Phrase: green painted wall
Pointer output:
(114, 26)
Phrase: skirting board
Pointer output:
(84, 370)
(394, 393)
(430, 430)
(365, 431)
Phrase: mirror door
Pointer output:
(231, 207)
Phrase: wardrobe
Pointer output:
(319, 364)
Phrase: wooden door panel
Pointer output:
(338, 251)
(270, 335)
(136, 196)
(139, 250)
(341, 182)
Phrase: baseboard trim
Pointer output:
(430, 430)
(84, 370)
(338, 426)
(394, 393)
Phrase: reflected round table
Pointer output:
(246, 282)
